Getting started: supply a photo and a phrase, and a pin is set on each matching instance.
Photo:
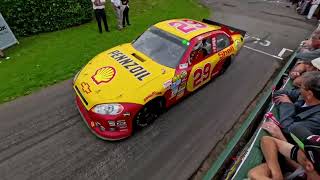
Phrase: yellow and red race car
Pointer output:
(127, 87)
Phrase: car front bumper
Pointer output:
(99, 127)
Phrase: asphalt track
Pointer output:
(42, 135)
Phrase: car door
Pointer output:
(223, 47)
(202, 60)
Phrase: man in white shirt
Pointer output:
(117, 5)
(98, 6)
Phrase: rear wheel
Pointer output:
(225, 66)
(148, 114)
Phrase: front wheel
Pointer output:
(148, 114)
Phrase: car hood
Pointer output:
(111, 74)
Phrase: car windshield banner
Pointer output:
(7, 38)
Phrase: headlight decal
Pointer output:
(108, 109)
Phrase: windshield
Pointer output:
(162, 47)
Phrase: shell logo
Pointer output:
(104, 75)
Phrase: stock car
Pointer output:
(126, 87)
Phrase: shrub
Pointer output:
(27, 17)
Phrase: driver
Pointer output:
(197, 53)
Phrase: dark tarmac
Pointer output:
(42, 135)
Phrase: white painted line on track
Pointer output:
(283, 51)
(263, 52)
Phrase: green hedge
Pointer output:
(28, 17)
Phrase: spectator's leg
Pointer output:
(119, 16)
(127, 16)
(124, 18)
(120, 12)
(2, 54)
(98, 18)
(270, 152)
(311, 11)
(318, 15)
(260, 172)
(104, 18)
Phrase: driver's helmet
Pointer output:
(197, 46)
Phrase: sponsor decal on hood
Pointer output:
(104, 75)
(134, 68)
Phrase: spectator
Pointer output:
(125, 18)
(98, 6)
(301, 67)
(2, 54)
(306, 154)
(309, 49)
(304, 7)
(315, 4)
(312, 43)
(117, 6)
(298, 107)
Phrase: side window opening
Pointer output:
(222, 41)
(200, 51)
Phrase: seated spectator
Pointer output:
(310, 48)
(298, 107)
(302, 67)
(306, 154)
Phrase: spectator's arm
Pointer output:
(292, 94)
(286, 113)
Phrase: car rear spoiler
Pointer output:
(207, 21)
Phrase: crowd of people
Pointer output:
(121, 8)
(309, 8)
(292, 151)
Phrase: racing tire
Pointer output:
(148, 114)
(225, 66)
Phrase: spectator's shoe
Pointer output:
(307, 19)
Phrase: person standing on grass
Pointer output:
(98, 6)
(125, 18)
(2, 54)
(315, 4)
(117, 6)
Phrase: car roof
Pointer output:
(165, 25)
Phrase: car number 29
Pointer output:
(201, 75)
(187, 26)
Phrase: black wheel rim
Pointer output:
(146, 116)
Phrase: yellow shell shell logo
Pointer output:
(104, 75)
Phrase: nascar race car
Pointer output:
(126, 87)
